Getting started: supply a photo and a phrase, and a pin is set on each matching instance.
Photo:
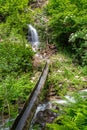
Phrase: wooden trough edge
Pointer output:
(23, 120)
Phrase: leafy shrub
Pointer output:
(73, 117)
(69, 17)
(15, 58)
(80, 45)
(15, 72)
(14, 14)
(14, 89)
(13, 92)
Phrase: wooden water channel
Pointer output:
(23, 120)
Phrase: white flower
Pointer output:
(75, 35)
(86, 35)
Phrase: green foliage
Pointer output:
(74, 117)
(67, 79)
(79, 40)
(14, 91)
(15, 57)
(14, 14)
(64, 76)
(67, 22)
(15, 72)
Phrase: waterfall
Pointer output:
(33, 36)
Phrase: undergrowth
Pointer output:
(16, 70)
(72, 117)
(68, 78)
(65, 75)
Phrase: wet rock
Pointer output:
(46, 116)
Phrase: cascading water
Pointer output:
(33, 36)
(43, 115)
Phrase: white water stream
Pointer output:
(33, 37)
